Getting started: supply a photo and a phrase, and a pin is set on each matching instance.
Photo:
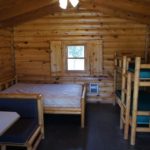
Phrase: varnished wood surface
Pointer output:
(19, 11)
(40, 46)
(6, 53)
(20, 7)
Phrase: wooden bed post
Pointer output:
(123, 84)
(41, 113)
(83, 107)
(135, 100)
(115, 65)
(82, 113)
(127, 111)
(124, 62)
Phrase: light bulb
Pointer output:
(63, 4)
(74, 3)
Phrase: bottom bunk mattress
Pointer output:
(118, 94)
(54, 95)
(143, 105)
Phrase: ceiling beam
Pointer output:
(13, 8)
(117, 12)
(30, 15)
(133, 6)
(21, 11)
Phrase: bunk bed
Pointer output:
(137, 104)
(120, 83)
(58, 98)
(121, 61)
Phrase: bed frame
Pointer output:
(131, 120)
(121, 63)
(119, 69)
(51, 110)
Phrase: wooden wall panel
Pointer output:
(95, 49)
(6, 53)
(103, 35)
(56, 58)
(32, 60)
(148, 46)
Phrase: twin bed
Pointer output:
(57, 98)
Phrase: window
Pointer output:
(76, 58)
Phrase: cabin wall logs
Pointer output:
(6, 53)
(40, 46)
(148, 46)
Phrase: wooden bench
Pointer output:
(28, 130)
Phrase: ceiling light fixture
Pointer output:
(63, 3)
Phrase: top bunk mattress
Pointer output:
(54, 95)
(144, 73)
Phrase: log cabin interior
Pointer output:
(41, 43)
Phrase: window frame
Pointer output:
(66, 59)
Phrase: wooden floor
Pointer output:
(101, 132)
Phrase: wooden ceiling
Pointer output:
(13, 12)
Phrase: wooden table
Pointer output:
(7, 119)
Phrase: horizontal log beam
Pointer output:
(14, 8)
(134, 6)
(113, 10)
(35, 14)
(19, 11)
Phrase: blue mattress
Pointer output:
(144, 101)
(143, 105)
(24, 127)
(145, 120)
(26, 109)
(144, 73)
(118, 93)
(20, 132)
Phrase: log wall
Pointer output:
(148, 46)
(6, 53)
(40, 45)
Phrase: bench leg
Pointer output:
(82, 120)
(3, 147)
(29, 147)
